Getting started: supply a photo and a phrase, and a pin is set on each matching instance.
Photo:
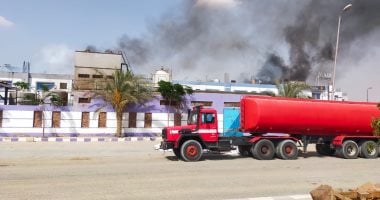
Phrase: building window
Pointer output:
(37, 119)
(148, 120)
(231, 104)
(97, 76)
(83, 75)
(56, 119)
(45, 85)
(201, 103)
(166, 103)
(84, 100)
(63, 86)
(102, 123)
(85, 123)
(132, 120)
(177, 119)
(109, 77)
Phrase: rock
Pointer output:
(323, 192)
(365, 191)
(367, 187)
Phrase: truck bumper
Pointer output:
(166, 145)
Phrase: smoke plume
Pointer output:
(267, 40)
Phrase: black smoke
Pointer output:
(311, 38)
(273, 40)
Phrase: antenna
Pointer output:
(126, 61)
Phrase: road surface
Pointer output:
(135, 170)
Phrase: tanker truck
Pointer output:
(278, 127)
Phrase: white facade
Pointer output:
(57, 82)
(20, 123)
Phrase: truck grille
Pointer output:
(164, 134)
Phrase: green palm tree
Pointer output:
(376, 124)
(173, 93)
(292, 89)
(125, 88)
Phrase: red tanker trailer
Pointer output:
(276, 125)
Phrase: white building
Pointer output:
(161, 75)
(36, 81)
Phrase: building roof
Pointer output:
(226, 84)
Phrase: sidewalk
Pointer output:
(77, 139)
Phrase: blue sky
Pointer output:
(33, 30)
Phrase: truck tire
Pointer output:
(244, 150)
(349, 150)
(368, 149)
(177, 153)
(263, 150)
(287, 150)
(324, 149)
(191, 151)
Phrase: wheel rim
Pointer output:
(264, 149)
(351, 150)
(371, 149)
(289, 149)
(192, 151)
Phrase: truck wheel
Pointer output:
(177, 153)
(191, 151)
(349, 150)
(324, 149)
(263, 150)
(368, 149)
(287, 150)
(244, 150)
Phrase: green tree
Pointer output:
(292, 89)
(21, 85)
(173, 93)
(376, 124)
(46, 98)
(125, 88)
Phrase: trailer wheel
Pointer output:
(287, 150)
(324, 149)
(263, 150)
(191, 150)
(368, 149)
(177, 153)
(244, 150)
(349, 150)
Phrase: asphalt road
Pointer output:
(135, 170)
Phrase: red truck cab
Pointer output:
(201, 132)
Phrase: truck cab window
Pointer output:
(192, 118)
(208, 118)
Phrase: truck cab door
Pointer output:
(208, 128)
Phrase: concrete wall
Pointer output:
(18, 120)
(98, 60)
(20, 123)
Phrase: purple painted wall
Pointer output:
(153, 105)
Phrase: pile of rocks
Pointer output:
(369, 191)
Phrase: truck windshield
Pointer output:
(192, 118)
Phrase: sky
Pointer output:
(47, 32)
(201, 39)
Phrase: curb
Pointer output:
(77, 139)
